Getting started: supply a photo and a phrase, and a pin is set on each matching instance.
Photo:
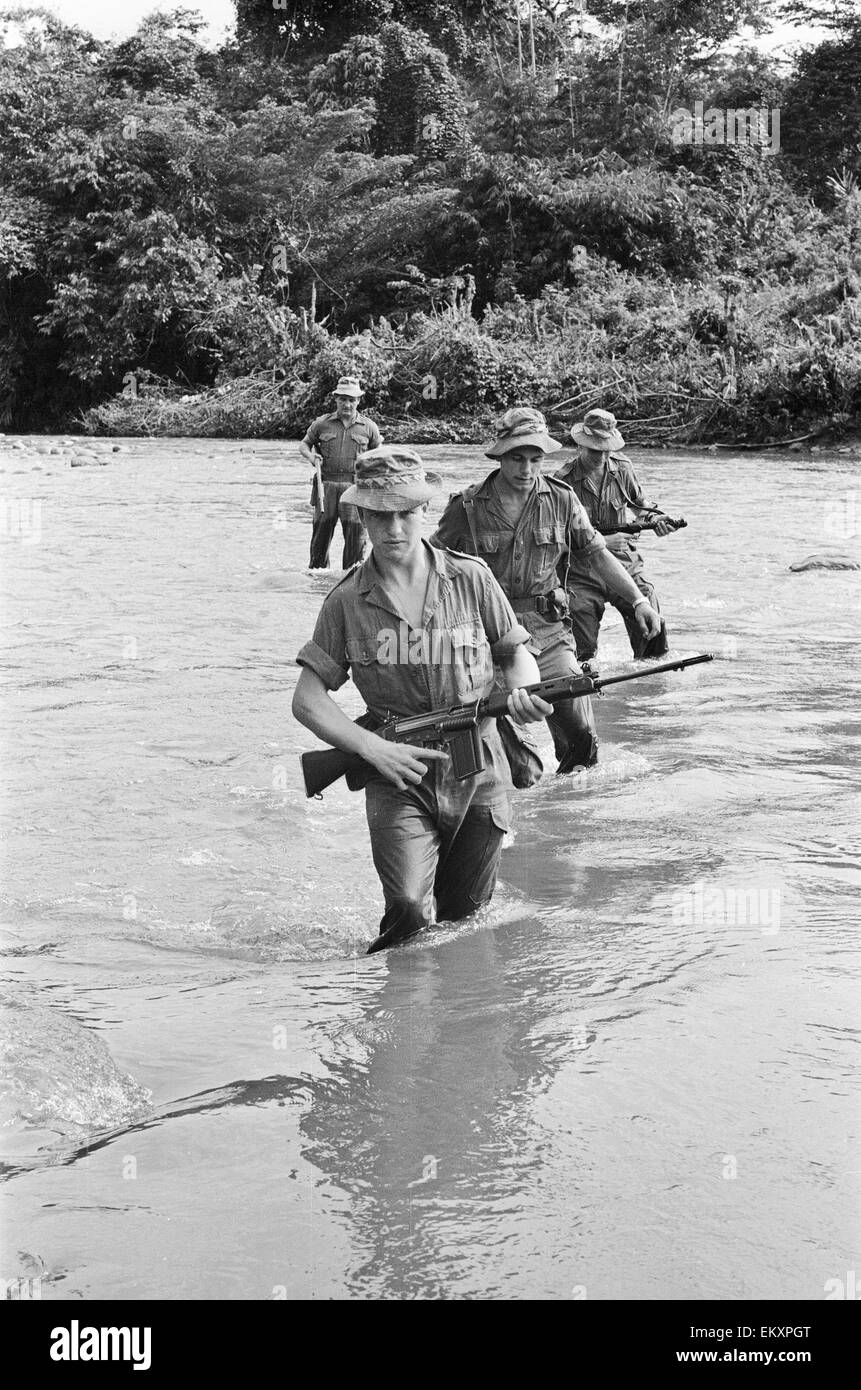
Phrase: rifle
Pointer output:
(458, 727)
(317, 498)
(636, 527)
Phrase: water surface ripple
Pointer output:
(634, 1076)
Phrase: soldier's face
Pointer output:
(347, 408)
(520, 467)
(394, 535)
(592, 458)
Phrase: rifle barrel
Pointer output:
(679, 665)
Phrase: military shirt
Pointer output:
(524, 556)
(339, 445)
(607, 492)
(467, 622)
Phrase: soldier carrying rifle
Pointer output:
(530, 528)
(330, 445)
(436, 838)
(606, 486)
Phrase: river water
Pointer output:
(632, 1077)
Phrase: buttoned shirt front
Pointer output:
(339, 444)
(467, 623)
(525, 556)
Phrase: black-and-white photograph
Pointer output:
(430, 437)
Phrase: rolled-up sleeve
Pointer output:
(504, 632)
(326, 653)
(583, 539)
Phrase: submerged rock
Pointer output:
(822, 560)
(57, 1074)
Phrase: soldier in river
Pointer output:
(338, 439)
(529, 527)
(435, 839)
(606, 486)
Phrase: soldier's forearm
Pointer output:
(314, 707)
(520, 669)
(616, 577)
(306, 453)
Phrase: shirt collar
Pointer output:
(576, 470)
(484, 487)
(369, 577)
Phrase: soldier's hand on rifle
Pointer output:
(663, 525)
(401, 763)
(527, 709)
(648, 621)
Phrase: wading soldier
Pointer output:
(528, 527)
(433, 838)
(606, 485)
(338, 438)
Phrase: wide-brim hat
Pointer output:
(519, 429)
(391, 479)
(598, 431)
(348, 386)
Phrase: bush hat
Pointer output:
(391, 479)
(518, 428)
(348, 386)
(598, 431)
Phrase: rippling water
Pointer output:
(631, 1077)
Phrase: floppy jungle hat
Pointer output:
(391, 479)
(598, 431)
(348, 386)
(518, 428)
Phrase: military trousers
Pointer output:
(572, 723)
(325, 521)
(436, 847)
(588, 596)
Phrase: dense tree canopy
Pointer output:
(489, 194)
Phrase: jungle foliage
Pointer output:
(470, 204)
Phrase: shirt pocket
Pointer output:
(488, 543)
(548, 547)
(614, 499)
(549, 535)
(373, 666)
(471, 660)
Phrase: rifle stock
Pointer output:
(325, 766)
(320, 769)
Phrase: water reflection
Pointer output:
(432, 1128)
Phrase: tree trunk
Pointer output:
(519, 37)
(622, 56)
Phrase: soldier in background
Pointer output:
(338, 439)
(528, 528)
(606, 486)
